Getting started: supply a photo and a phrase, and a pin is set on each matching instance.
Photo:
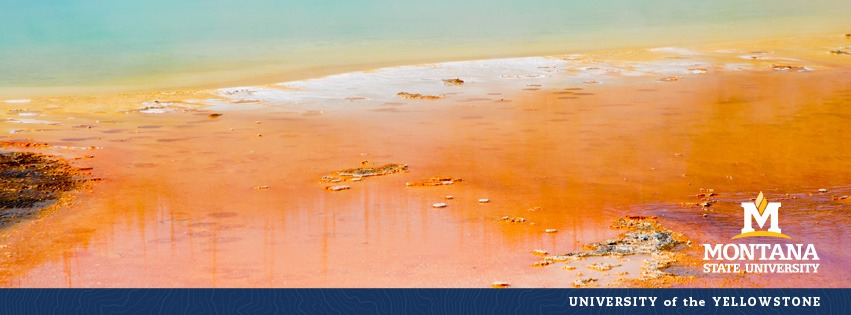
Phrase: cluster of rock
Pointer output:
(417, 96)
(644, 236)
(453, 81)
(434, 181)
(367, 169)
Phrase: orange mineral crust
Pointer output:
(370, 194)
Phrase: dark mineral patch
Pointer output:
(373, 171)
(644, 236)
(453, 81)
(32, 180)
(418, 96)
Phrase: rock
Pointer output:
(705, 215)
(822, 190)
(24, 144)
(602, 266)
(789, 68)
(584, 282)
(386, 169)
(261, 187)
(215, 115)
(484, 200)
(697, 70)
(645, 236)
(245, 101)
(512, 219)
(499, 284)
(418, 96)
(439, 205)
(652, 268)
(434, 181)
(542, 263)
(453, 81)
(550, 230)
(449, 197)
(670, 79)
(337, 188)
(539, 252)
(358, 174)
(329, 179)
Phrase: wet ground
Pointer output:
(31, 182)
(239, 200)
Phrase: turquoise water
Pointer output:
(159, 43)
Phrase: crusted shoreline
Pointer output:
(30, 182)
(644, 236)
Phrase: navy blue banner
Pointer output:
(426, 301)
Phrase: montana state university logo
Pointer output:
(762, 212)
(779, 257)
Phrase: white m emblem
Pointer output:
(751, 212)
(761, 210)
